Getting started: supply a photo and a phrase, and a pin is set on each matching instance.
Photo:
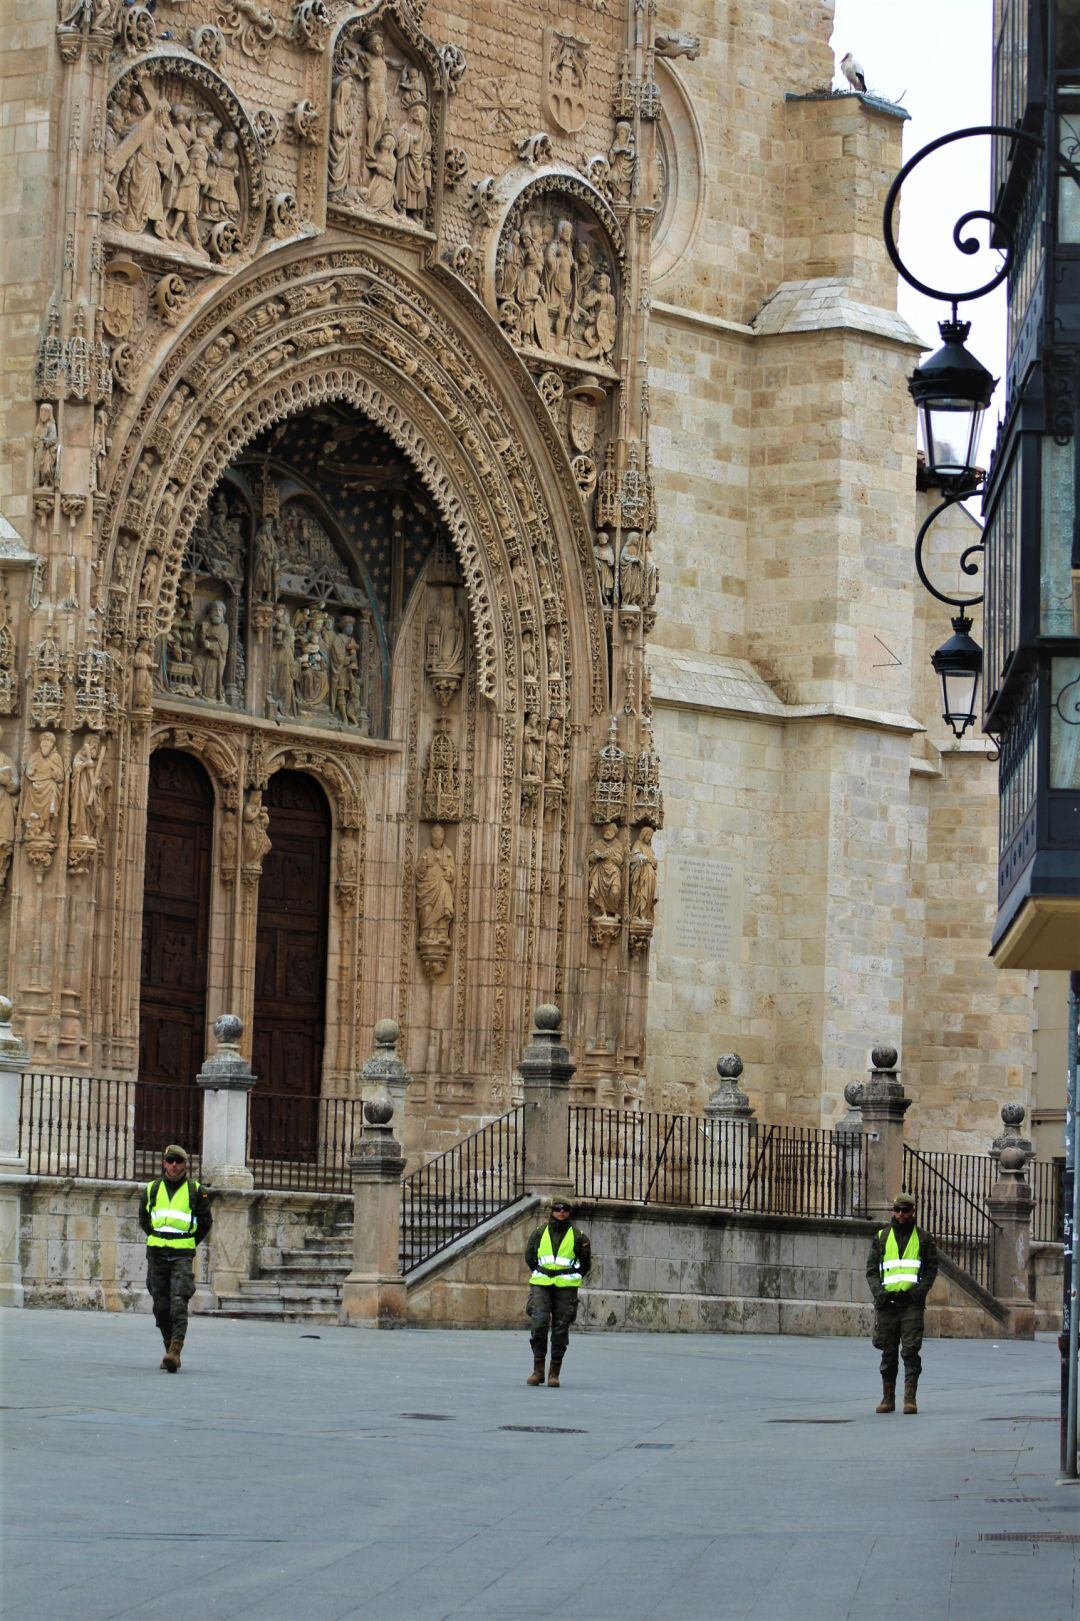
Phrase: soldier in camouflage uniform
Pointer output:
(900, 1269)
(174, 1213)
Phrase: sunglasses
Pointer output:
(174, 1159)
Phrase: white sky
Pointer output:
(935, 58)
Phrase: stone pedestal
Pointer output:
(1010, 1206)
(373, 1295)
(226, 1081)
(884, 1105)
(13, 1060)
(546, 1068)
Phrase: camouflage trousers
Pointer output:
(170, 1282)
(898, 1329)
(552, 1308)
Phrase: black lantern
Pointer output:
(952, 391)
(958, 662)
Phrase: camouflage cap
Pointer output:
(174, 1151)
(903, 1201)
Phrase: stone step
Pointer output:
(311, 1277)
(269, 1312)
(273, 1289)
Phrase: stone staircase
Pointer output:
(304, 1286)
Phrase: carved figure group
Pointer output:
(380, 136)
(169, 168)
(556, 291)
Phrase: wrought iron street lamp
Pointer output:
(952, 391)
(958, 663)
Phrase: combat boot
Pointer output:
(553, 1374)
(910, 1404)
(536, 1377)
(171, 1360)
(887, 1404)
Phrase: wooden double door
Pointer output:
(290, 959)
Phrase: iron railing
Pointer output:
(85, 1127)
(950, 1193)
(456, 1191)
(640, 1157)
(1048, 1190)
(301, 1144)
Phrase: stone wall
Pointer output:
(677, 1271)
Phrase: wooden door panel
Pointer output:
(290, 965)
(175, 936)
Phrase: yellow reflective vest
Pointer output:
(172, 1220)
(561, 1271)
(900, 1272)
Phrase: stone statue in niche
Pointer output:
(142, 679)
(314, 668)
(211, 652)
(631, 571)
(264, 567)
(9, 789)
(255, 838)
(622, 160)
(86, 803)
(604, 553)
(607, 861)
(556, 281)
(380, 157)
(532, 753)
(42, 799)
(436, 875)
(643, 878)
(282, 678)
(444, 646)
(46, 449)
(343, 661)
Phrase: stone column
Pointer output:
(1010, 1206)
(732, 1129)
(226, 1080)
(13, 1060)
(373, 1295)
(546, 1068)
(884, 1105)
(384, 1074)
(849, 1139)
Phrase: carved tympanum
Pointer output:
(381, 129)
(556, 280)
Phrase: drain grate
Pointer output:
(541, 1429)
(1024, 1418)
(653, 1446)
(1014, 1499)
(432, 1418)
(1029, 1536)
(809, 1421)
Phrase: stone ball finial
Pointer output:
(1013, 1157)
(547, 1017)
(883, 1057)
(387, 1033)
(729, 1066)
(7, 1008)
(378, 1111)
(1013, 1114)
(854, 1094)
(228, 1029)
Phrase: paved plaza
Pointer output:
(304, 1475)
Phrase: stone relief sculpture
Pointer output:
(380, 150)
(9, 790)
(566, 80)
(441, 798)
(436, 876)
(556, 282)
(622, 163)
(175, 168)
(41, 802)
(631, 571)
(86, 803)
(142, 679)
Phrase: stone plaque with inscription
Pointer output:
(703, 905)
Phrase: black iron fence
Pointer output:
(85, 1127)
(1048, 1190)
(648, 1158)
(950, 1193)
(455, 1192)
(301, 1144)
